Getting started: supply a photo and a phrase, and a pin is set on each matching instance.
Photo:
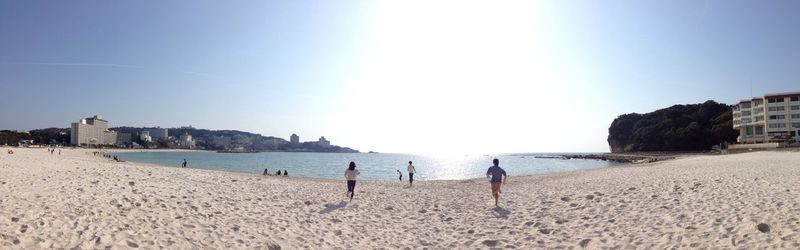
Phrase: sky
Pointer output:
(390, 76)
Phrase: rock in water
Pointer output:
(763, 227)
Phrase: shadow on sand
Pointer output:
(330, 207)
(500, 213)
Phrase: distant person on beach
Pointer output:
(350, 175)
(266, 172)
(184, 163)
(278, 173)
(285, 173)
(411, 171)
(499, 177)
(59, 152)
(401, 174)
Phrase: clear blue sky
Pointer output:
(390, 76)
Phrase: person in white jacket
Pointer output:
(411, 171)
(350, 175)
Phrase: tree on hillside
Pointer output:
(677, 128)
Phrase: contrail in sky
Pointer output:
(702, 16)
(75, 64)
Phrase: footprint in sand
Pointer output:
(584, 243)
(133, 244)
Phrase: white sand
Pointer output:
(78, 200)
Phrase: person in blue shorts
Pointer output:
(498, 177)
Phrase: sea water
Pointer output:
(372, 166)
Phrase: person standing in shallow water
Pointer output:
(184, 163)
(411, 171)
(350, 175)
(499, 177)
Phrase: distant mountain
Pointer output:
(39, 136)
(677, 128)
(237, 141)
(220, 140)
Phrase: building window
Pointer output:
(745, 113)
(759, 130)
(759, 118)
(795, 116)
(744, 105)
(796, 98)
(771, 109)
(777, 125)
(775, 100)
(777, 117)
(748, 131)
(796, 107)
(796, 125)
(758, 102)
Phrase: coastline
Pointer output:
(696, 201)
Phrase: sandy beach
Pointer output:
(79, 200)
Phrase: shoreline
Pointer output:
(622, 164)
(78, 200)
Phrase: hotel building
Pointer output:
(771, 118)
(186, 141)
(158, 133)
(323, 142)
(92, 131)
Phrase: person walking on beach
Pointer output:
(184, 163)
(401, 174)
(499, 177)
(266, 172)
(411, 171)
(350, 175)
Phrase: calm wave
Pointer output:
(371, 166)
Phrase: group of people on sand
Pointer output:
(11, 152)
(497, 175)
(411, 170)
(285, 173)
(104, 155)
(53, 150)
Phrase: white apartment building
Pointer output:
(186, 141)
(92, 131)
(323, 142)
(158, 133)
(145, 136)
(771, 118)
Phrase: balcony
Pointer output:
(751, 139)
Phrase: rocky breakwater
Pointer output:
(622, 158)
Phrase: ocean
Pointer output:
(372, 166)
